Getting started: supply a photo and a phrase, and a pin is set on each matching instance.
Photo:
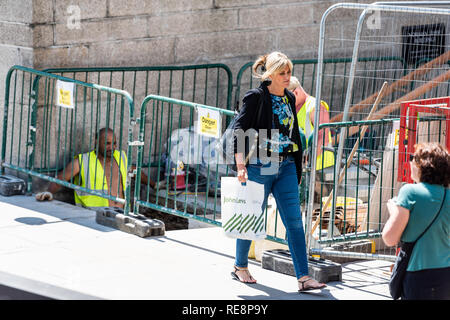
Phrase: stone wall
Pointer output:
(16, 40)
(153, 32)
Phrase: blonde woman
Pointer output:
(277, 161)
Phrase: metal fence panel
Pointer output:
(371, 72)
(41, 137)
(369, 180)
(184, 163)
(379, 32)
(209, 84)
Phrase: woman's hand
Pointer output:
(391, 206)
(241, 169)
(242, 173)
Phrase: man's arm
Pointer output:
(71, 170)
(324, 117)
(145, 179)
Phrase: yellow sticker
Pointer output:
(64, 94)
(395, 132)
(64, 97)
(209, 122)
(208, 125)
(397, 135)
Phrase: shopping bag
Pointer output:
(241, 207)
(399, 270)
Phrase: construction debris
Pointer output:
(346, 219)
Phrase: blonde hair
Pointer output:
(270, 64)
(294, 83)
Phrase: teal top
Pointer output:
(423, 201)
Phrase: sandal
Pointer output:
(236, 277)
(308, 288)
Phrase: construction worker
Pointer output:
(305, 108)
(105, 171)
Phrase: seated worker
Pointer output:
(104, 172)
(305, 108)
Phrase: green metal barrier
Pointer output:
(40, 137)
(166, 133)
(209, 84)
(371, 73)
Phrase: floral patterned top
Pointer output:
(283, 121)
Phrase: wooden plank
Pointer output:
(397, 103)
(403, 82)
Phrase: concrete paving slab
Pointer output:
(62, 248)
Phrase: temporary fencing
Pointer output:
(334, 83)
(42, 135)
(49, 119)
(357, 208)
(52, 135)
(171, 151)
(188, 180)
(209, 84)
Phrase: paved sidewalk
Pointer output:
(56, 250)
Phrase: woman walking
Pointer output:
(418, 206)
(277, 160)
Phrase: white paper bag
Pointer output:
(241, 206)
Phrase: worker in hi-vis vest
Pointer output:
(105, 172)
(305, 108)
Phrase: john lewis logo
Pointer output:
(234, 200)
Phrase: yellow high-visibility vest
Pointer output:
(93, 177)
(304, 122)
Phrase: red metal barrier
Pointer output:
(408, 123)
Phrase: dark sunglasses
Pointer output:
(411, 157)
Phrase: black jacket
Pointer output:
(251, 117)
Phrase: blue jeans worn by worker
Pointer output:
(283, 185)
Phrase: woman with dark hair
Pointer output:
(415, 208)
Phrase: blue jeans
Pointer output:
(283, 185)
